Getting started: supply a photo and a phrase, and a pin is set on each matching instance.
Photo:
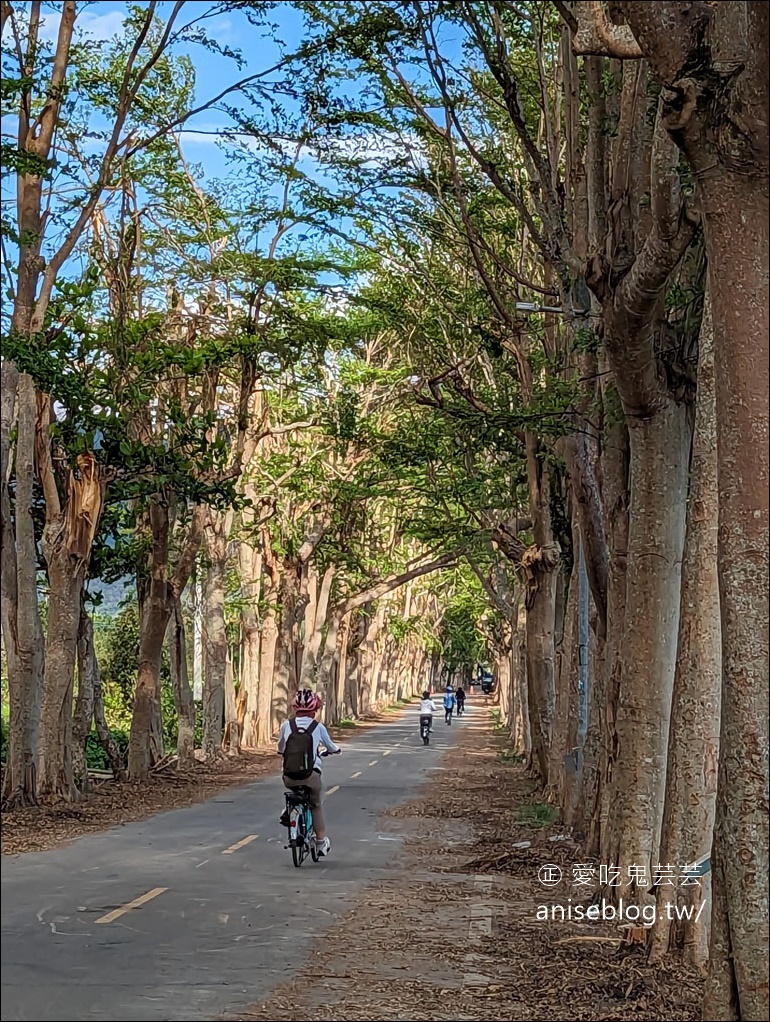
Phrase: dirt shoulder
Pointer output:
(112, 803)
(453, 932)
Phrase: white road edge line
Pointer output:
(136, 903)
(240, 844)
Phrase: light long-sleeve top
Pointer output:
(320, 737)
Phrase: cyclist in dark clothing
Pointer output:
(460, 701)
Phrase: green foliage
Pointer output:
(117, 646)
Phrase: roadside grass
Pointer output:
(537, 815)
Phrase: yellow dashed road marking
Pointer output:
(240, 844)
(141, 900)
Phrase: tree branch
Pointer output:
(597, 36)
(387, 585)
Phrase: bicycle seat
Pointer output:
(298, 795)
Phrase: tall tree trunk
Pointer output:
(660, 455)
(566, 754)
(523, 734)
(92, 708)
(541, 562)
(145, 746)
(315, 621)
(542, 566)
(70, 527)
(615, 472)
(586, 818)
(65, 577)
(688, 819)
(22, 629)
(736, 209)
(250, 564)
(214, 653)
(184, 702)
(84, 703)
(283, 687)
(341, 687)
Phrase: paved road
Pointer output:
(220, 914)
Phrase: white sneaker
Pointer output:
(323, 847)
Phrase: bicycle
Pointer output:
(301, 834)
(425, 727)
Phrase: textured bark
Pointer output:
(214, 655)
(315, 619)
(586, 818)
(565, 688)
(184, 702)
(541, 565)
(522, 736)
(84, 703)
(22, 630)
(712, 62)
(615, 472)
(659, 459)
(688, 820)
(66, 576)
(90, 705)
(157, 596)
(71, 522)
(146, 741)
(568, 753)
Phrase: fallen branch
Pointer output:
(170, 759)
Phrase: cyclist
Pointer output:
(449, 704)
(460, 700)
(306, 705)
(427, 709)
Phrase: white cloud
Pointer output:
(222, 29)
(377, 148)
(99, 27)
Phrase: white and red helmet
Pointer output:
(306, 701)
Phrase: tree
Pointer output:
(716, 110)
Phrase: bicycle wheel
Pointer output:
(299, 844)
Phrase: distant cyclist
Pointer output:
(427, 709)
(298, 741)
(460, 701)
(449, 704)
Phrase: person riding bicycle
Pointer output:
(460, 700)
(449, 704)
(427, 709)
(306, 705)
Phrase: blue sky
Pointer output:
(260, 49)
(101, 20)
